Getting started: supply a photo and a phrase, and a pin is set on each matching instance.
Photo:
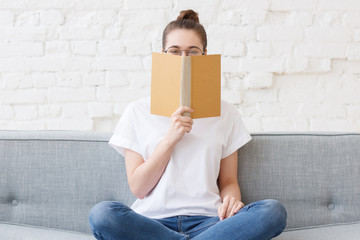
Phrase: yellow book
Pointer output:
(193, 81)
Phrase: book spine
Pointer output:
(185, 87)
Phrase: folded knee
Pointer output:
(277, 212)
(102, 214)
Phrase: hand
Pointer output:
(229, 207)
(179, 125)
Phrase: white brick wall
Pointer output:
(76, 64)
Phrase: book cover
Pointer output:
(193, 81)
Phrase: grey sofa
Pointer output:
(49, 181)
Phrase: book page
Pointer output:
(169, 75)
(206, 86)
(165, 84)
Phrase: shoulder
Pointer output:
(139, 105)
(135, 109)
(229, 110)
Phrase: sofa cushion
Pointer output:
(22, 232)
(337, 232)
(53, 178)
(315, 175)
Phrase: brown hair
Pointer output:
(188, 19)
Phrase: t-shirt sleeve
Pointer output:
(125, 133)
(238, 136)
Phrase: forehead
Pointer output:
(183, 38)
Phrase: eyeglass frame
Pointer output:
(187, 53)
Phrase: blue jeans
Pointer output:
(260, 220)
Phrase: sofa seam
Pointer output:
(44, 228)
(322, 226)
(52, 140)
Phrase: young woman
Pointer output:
(183, 171)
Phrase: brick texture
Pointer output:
(287, 65)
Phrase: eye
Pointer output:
(195, 51)
(173, 51)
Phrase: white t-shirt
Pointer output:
(188, 186)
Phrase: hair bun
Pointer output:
(189, 14)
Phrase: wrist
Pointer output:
(168, 143)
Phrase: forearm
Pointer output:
(143, 176)
(229, 187)
(147, 175)
(231, 200)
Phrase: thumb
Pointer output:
(221, 213)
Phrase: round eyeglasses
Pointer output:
(193, 51)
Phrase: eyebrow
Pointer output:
(176, 46)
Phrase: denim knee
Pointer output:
(102, 213)
(277, 213)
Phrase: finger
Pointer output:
(230, 207)
(232, 212)
(180, 125)
(186, 119)
(187, 109)
(179, 118)
(221, 212)
(187, 129)
(185, 124)
(240, 206)
(236, 208)
(182, 121)
(181, 110)
(224, 208)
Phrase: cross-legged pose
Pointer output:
(184, 171)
